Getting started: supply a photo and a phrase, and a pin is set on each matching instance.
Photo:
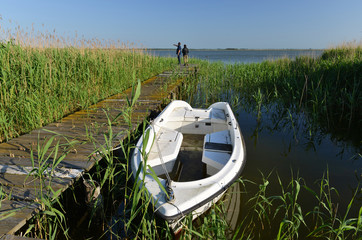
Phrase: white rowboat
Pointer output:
(222, 158)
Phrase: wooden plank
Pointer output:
(16, 155)
(62, 139)
(13, 215)
(81, 158)
(77, 133)
(68, 129)
(11, 180)
(31, 194)
(42, 170)
(27, 162)
(13, 237)
(77, 149)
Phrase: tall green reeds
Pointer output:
(41, 85)
(277, 214)
(281, 213)
(50, 218)
(327, 89)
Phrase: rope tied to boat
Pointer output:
(170, 196)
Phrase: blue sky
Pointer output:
(253, 24)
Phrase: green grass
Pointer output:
(327, 89)
(280, 212)
(34, 82)
(41, 85)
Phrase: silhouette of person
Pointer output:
(178, 52)
(185, 53)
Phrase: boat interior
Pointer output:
(188, 165)
(193, 144)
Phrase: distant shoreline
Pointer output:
(241, 49)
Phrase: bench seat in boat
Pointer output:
(217, 151)
(169, 142)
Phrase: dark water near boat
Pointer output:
(284, 143)
(285, 146)
(240, 56)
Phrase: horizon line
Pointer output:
(239, 49)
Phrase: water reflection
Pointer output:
(233, 207)
(283, 139)
(287, 143)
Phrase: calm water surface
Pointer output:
(283, 144)
(240, 56)
(287, 149)
(279, 145)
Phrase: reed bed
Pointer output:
(273, 208)
(327, 89)
(41, 85)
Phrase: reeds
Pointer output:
(284, 216)
(41, 85)
(327, 89)
(44, 77)
(276, 214)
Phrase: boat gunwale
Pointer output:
(204, 202)
(205, 182)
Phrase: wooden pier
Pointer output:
(74, 135)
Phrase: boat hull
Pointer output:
(157, 152)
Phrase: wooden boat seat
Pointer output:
(169, 142)
(217, 151)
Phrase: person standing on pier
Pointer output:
(178, 52)
(185, 53)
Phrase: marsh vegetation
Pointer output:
(306, 99)
(302, 126)
(41, 85)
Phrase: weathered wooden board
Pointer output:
(80, 136)
(13, 215)
(13, 237)
(27, 162)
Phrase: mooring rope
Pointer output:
(170, 194)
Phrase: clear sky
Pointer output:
(255, 24)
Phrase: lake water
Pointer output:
(282, 144)
(239, 56)
(288, 149)
(286, 146)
